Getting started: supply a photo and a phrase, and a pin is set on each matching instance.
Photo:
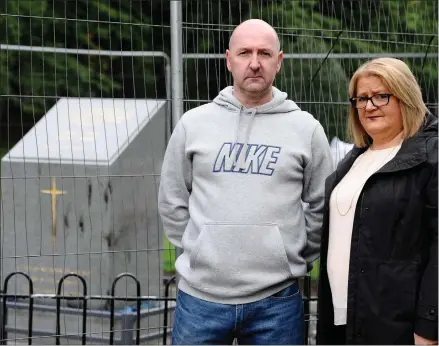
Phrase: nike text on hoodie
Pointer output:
(232, 185)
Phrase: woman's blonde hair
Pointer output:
(401, 82)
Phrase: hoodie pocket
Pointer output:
(244, 257)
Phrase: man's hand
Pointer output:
(419, 340)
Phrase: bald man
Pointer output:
(234, 176)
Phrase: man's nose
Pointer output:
(254, 62)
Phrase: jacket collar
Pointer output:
(413, 151)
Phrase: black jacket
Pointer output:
(393, 274)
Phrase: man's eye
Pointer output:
(265, 53)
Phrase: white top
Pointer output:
(341, 217)
(85, 130)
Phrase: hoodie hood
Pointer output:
(277, 105)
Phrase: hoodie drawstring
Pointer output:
(240, 154)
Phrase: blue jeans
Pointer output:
(274, 320)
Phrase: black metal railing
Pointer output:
(84, 298)
(128, 327)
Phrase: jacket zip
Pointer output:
(358, 248)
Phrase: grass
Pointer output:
(168, 257)
(315, 270)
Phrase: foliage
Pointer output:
(319, 26)
(82, 24)
(32, 82)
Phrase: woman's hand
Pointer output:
(419, 340)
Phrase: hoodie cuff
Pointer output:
(426, 328)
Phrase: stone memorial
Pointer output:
(79, 195)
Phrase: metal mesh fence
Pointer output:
(85, 115)
(84, 120)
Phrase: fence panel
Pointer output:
(85, 116)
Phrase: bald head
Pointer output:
(252, 26)
(254, 58)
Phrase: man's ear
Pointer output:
(228, 60)
(279, 60)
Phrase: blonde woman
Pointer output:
(379, 276)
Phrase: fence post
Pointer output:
(176, 61)
(176, 68)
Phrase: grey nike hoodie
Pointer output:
(231, 191)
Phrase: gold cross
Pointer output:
(54, 192)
